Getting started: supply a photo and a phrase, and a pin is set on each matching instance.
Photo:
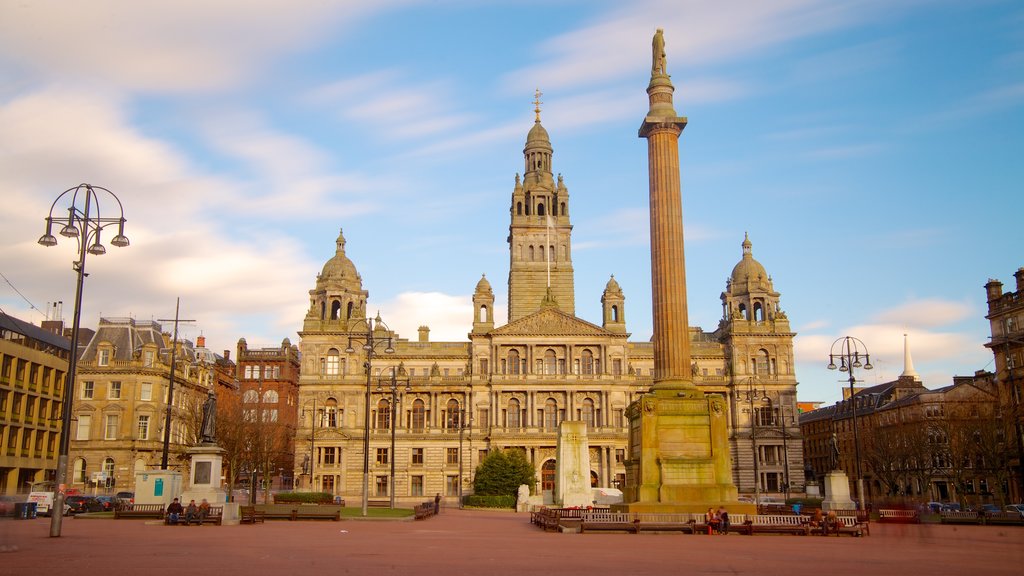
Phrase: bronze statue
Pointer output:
(658, 60)
(208, 432)
(833, 454)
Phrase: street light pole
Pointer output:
(170, 384)
(370, 344)
(850, 351)
(395, 399)
(750, 397)
(85, 228)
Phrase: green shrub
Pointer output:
(304, 497)
(502, 472)
(490, 501)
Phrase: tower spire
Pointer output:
(536, 104)
(908, 362)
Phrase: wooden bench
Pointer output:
(214, 516)
(1005, 518)
(901, 516)
(140, 511)
(317, 511)
(607, 521)
(378, 503)
(250, 515)
(960, 517)
(425, 510)
(548, 519)
(277, 511)
(841, 525)
(777, 524)
(655, 522)
(862, 518)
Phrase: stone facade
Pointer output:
(33, 366)
(120, 402)
(510, 386)
(1006, 318)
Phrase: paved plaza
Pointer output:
(489, 543)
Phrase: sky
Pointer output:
(871, 149)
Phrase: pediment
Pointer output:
(551, 322)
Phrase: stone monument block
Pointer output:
(572, 476)
(837, 492)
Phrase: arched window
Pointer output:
(758, 312)
(108, 467)
(540, 209)
(348, 311)
(453, 416)
(330, 414)
(383, 415)
(547, 475)
(587, 413)
(551, 253)
(79, 471)
(335, 310)
(550, 362)
(270, 397)
(743, 311)
(588, 361)
(323, 310)
(512, 416)
(761, 363)
(513, 362)
(550, 414)
(251, 397)
(419, 415)
(561, 209)
(483, 314)
(615, 313)
(531, 254)
(333, 364)
(519, 208)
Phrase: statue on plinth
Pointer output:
(208, 431)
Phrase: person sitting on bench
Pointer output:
(191, 513)
(174, 512)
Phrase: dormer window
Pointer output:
(103, 358)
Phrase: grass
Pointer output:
(357, 512)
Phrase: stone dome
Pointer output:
(538, 136)
(747, 268)
(483, 285)
(339, 267)
(613, 285)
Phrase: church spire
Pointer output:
(908, 362)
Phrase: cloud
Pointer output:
(449, 317)
(927, 313)
(166, 46)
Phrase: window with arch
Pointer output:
(323, 310)
(484, 313)
(587, 413)
(419, 415)
(512, 417)
(743, 311)
(550, 362)
(550, 414)
(79, 471)
(531, 254)
(335, 310)
(561, 209)
(513, 362)
(587, 358)
(332, 367)
(547, 475)
(270, 397)
(453, 416)
(540, 209)
(330, 414)
(251, 397)
(383, 415)
(761, 362)
(108, 467)
(348, 310)
(758, 312)
(551, 253)
(519, 208)
(615, 313)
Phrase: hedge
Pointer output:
(304, 497)
(490, 501)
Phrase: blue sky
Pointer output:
(871, 149)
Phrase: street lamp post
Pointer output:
(751, 397)
(849, 351)
(370, 343)
(85, 227)
(392, 383)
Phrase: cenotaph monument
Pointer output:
(678, 454)
(572, 473)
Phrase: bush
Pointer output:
(304, 497)
(485, 501)
(502, 472)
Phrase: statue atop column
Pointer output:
(833, 452)
(208, 431)
(658, 56)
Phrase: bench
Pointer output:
(961, 517)
(424, 511)
(547, 519)
(277, 511)
(900, 516)
(250, 515)
(850, 517)
(610, 521)
(214, 516)
(317, 511)
(1004, 518)
(654, 522)
(840, 525)
(140, 511)
(777, 524)
(378, 503)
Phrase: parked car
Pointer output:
(110, 503)
(951, 507)
(125, 498)
(79, 504)
(7, 505)
(935, 507)
(1018, 508)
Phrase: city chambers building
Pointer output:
(445, 405)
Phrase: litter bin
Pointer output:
(24, 510)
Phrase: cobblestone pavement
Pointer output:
(489, 543)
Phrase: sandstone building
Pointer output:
(1006, 319)
(510, 384)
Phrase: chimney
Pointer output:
(227, 354)
(994, 288)
(1019, 274)
(424, 333)
(201, 342)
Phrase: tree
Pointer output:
(502, 472)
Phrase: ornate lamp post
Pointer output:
(752, 396)
(84, 223)
(370, 343)
(849, 351)
(396, 397)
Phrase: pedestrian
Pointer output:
(796, 508)
(437, 504)
(723, 520)
(204, 511)
(711, 518)
(174, 512)
(191, 512)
